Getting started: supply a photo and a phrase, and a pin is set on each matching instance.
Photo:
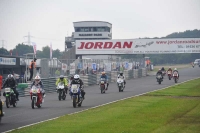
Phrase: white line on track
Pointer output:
(97, 106)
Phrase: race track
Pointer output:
(23, 114)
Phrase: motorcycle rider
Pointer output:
(122, 77)
(169, 69)
(103, 75)
(162, 69)
(64, 80)
(175, 70)
(159, 73)
(77, 80)
(12, 83)
(37, 81)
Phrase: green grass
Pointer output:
(173, 110)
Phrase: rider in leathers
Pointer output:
(77, 80)
(103, 75)
(175, 70)
(38, 81)
(159, 73)
(122, 77)
(11, 82)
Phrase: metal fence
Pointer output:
(55, 67)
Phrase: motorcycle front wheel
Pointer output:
(175, 80)
(59, 95)
(102, 89)
(119, 88)
(7, 102)
(63, 95)
(33, 102)
(74, 101)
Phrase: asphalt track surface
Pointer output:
(23, 114)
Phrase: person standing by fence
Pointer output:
(31, 67)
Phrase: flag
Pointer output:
(50, 51)
(34, 47)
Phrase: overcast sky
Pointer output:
(50, 21)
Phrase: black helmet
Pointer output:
(61, 77)
(121, 73)
(72, 77)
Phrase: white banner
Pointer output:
(72, 68)
(138, 46)
(107, 67)
(130, 66)
(64, 67)
(7, 61)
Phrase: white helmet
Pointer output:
(37, 79)
(76, 76)
(10, 76)
(175, 68)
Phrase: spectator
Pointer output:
(31, 67)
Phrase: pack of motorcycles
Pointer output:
(37, 97)
(170, 75)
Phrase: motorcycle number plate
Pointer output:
(74, 86)
(7, 89)
(34, 90)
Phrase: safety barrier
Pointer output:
(88, 80)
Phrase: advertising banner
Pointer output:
(7, 61)
(130, 66)
(107, 67)
(72, 68)
(64, 67)
(138, 46)
(94, 66)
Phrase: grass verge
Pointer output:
(175, 109)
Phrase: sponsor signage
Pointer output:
(138, 46)
(7, 61)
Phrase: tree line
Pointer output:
(22, 49)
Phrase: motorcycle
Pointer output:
(175, 77)
(120, 84)
(36, 96)
(169, 73)
(10, 97)
(159, 78)
(103, 85)
(76, 95)
(1, 108)
(61, 91)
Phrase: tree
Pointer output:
(4, 51)
(22, 49)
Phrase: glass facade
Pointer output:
(92, 29)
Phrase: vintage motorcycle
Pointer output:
(103, 85)
(120, 84)
(61, 91)
(169, 73)
(159, 78)
(75, 93)
(10, 97)
(175, 77)
(36, 96)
